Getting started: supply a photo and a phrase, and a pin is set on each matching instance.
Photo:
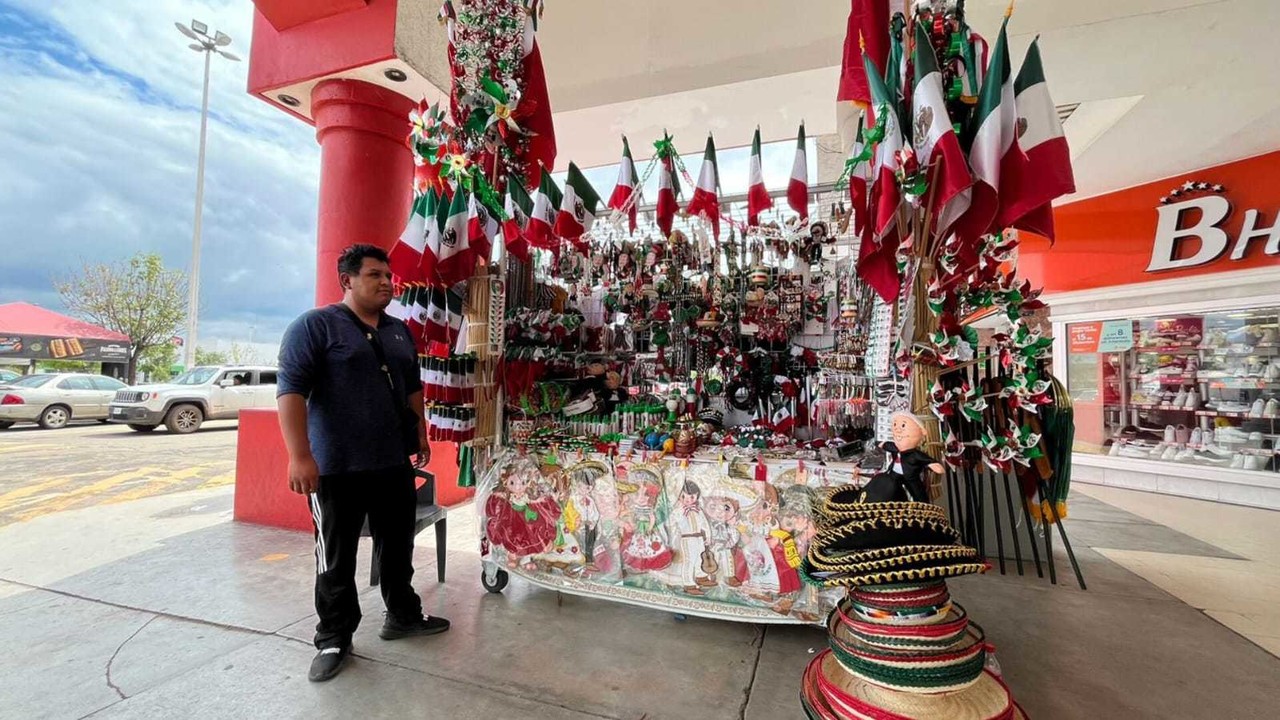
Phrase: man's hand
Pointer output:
(304, 475)
(424, 451)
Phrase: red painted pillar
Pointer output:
(366, 172)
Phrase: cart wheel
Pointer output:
(680, 618)
(498, 582)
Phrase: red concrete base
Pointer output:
(262, 475)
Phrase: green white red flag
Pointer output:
(996, 122)
(406, 255)
(482, 227)
(628, 180)
(578, 208)
(878, 251)
(706, 196)
(936, 146)
(517, 206)
(456, 256)
(668, 189)
(798, 186)
(1043, 172)
(758, 198)
(542, 221)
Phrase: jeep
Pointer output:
(200, 394)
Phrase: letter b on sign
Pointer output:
(1213, 240)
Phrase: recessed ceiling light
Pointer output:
(395, 75)
(289, 100)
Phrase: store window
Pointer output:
(1190, 389)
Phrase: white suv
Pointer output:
(202, 393)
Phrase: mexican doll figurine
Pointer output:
(517, 521)
(696, 566)
(644, 548)
(903, 476)
(726, 540)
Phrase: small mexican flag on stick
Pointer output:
(456, 257)
(406, 255)
(758, 199)
(517, 206)
(996, 120)
(668, 187)
(626, 187)
(798, 188)
(706, 196)
(542, 221)
(578, 208)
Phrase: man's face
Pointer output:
(371, 287)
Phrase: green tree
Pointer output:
(157, 362)
(205, 356)
(139, 297)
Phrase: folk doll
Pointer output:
(903, 476)
(696, 567)
(644, 546)
(583, 502)
(521, 518)
(726, 540)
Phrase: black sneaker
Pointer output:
(393, 629)
(328, 663)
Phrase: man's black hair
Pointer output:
(352, 259)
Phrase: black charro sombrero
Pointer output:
(887, 531)
(841, 504)
(824, 559)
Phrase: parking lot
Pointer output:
(48, 471)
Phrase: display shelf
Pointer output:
(1243, 415)
(1241, 384)
(1163, 379)
(1168, 350)
(1137, 406)
(1242, 350)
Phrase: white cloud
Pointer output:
(99, 118)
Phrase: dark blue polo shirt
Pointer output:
(351, 419)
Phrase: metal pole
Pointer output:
(193, 298)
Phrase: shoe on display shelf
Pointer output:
(1197, 437)
(1180, 399)
(1207, 437)
(1182, 434)
(1184, 455)
(1169, 433)
(1271, 409)
(1255, 411)
(1273, 371)
(1133, 451)
(1255, 440)
(1218, 451)
(1169, 454)
(1116, 446)
(1193, 400)
(1237, 462)
(1269, 336)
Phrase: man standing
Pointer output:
(351, 412)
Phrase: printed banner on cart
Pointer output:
(41, 347)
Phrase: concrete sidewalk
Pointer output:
(164, 607)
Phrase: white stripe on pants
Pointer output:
(317, 516)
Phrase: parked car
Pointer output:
(8, 376)
(55, 399)
(200, 394)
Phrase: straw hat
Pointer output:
(848, 696)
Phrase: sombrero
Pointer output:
(830, 559)
(921, 670)
(848, 696)
(843, 503)
(887, 531)
(900, 601)
(943, 633)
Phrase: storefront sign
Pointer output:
(1197, 224)
(1117, 336)
(39, 347)
(1084, 337)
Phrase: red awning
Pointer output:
(25, 319)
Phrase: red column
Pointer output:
(366, 172)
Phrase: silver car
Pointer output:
(53, 400)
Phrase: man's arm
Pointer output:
(297, 372)
(304, 474)
(419, 408)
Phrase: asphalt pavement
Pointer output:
(48, 471)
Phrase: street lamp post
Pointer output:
(199, 32)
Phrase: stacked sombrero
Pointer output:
(899, 646)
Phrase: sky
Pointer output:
(99, 125)
(100, 122)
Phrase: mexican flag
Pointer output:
(542, 221)
(481, 229)
(626, 186)
(996, 122)
(866, 31)
(578, 207)
(668, 189)
(456, 256)
(878, 250)
(758, 199)
(859, 181)
(1043, 172)
(937, 147)
(798, 188)
(706, 196)
(406, 255)
(418, 307)
(517, 206)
